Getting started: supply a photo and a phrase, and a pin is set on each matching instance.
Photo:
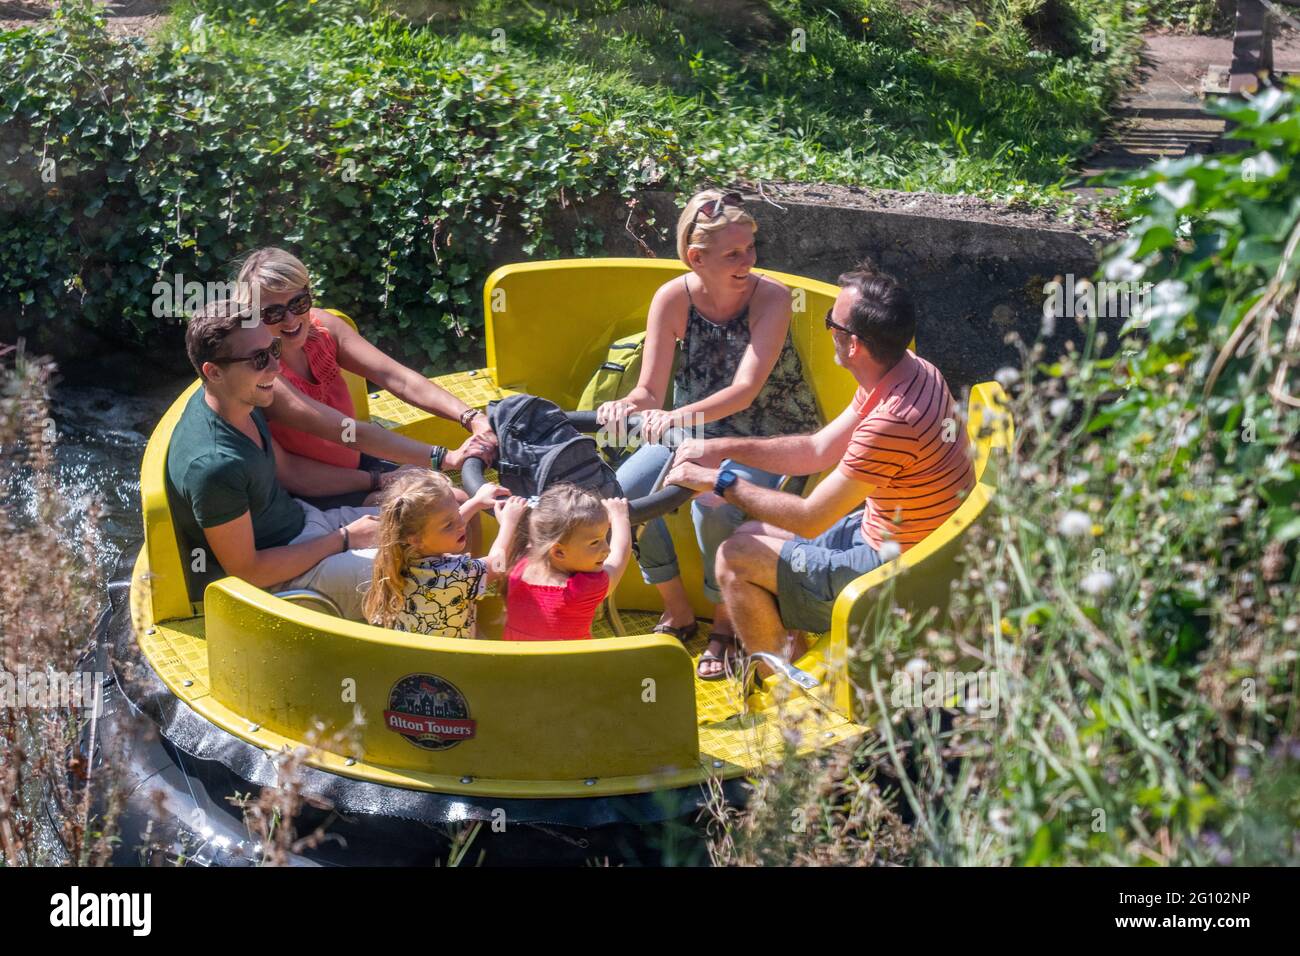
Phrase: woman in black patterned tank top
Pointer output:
(738, 373)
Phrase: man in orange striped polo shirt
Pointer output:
(902, 466)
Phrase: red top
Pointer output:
(330, 388)
(552, 612)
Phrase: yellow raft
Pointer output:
(553, 720)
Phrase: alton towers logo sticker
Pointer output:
(428, 711)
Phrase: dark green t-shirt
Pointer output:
(215, 473)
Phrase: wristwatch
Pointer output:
(726, 478)
(468, 416)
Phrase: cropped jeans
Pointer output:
(714, 523)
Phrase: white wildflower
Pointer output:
(1074, 524)
(1097, 583)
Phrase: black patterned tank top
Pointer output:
(707, 362)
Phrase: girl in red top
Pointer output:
(568, 550)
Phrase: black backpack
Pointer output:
(538, 448)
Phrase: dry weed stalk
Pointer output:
(272, 817)
(49, 596)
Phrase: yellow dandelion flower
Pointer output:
(185, 48)
(1096, 530)
(1008, 628)
(252, 21)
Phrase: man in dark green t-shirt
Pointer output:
(230, 481)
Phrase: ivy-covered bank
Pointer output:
(126, 165)
(393, 144)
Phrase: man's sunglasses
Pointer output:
(712, 209)
(275, 314)
(260, 359)
(832, 324)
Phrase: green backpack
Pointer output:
(615, 378)
(617, 375)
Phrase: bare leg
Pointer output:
(766, 530)
(677, 605)
(722, 623)
(722, 618)
(747, 575)
(712, 667)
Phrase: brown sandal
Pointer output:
(731, 656)
(682, 634)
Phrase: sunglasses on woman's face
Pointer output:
(832, 324)
(712, 209)
(275, 314)
(260, 359)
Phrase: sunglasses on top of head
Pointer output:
(275, 314)
(259, 359)
(712, 209)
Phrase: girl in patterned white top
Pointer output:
(424, 579)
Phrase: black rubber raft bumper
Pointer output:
(181, 772)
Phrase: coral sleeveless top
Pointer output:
(330, 388)
(545, 612)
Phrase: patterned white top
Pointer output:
(441, 595)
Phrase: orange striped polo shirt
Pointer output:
(918, 479)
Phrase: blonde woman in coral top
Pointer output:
(308, 417)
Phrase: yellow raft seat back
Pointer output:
(550, 710)
(548, 325)
(167, 589)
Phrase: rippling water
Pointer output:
(101, 439)
(102, 435)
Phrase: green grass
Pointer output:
(1000, 98)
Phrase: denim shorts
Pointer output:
(811, 573)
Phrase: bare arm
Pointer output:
(781, 454)
(509, 513)
(293, 409)
(662, 331)
(484, 499)
(620, 540)
(361, 358)
(769, 325)
(307, 476)
(234, 546)
(831, 500)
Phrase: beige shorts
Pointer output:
(345, 578)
